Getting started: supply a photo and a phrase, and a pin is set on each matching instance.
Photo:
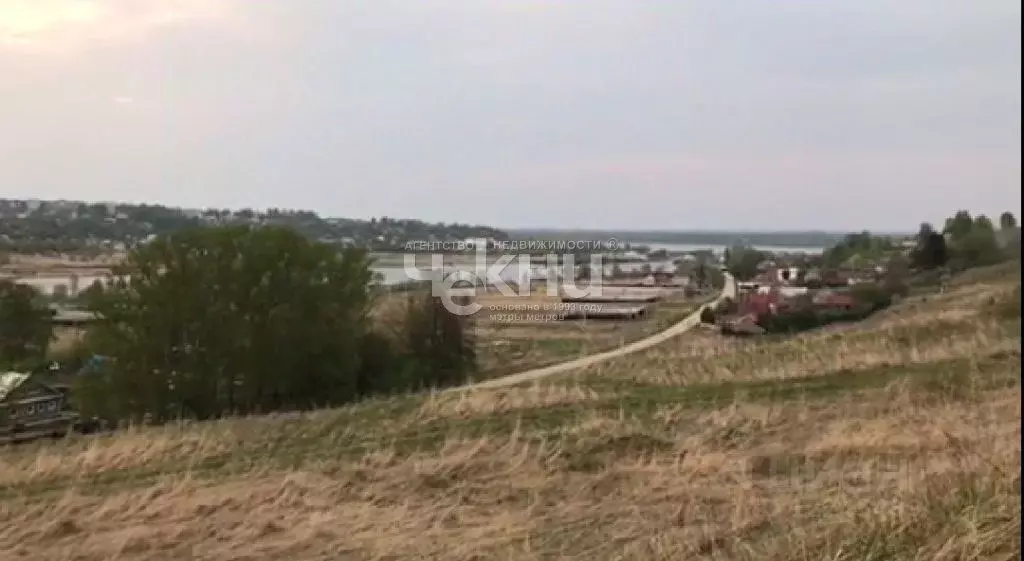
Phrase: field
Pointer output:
(60, 265)
(895, 439)
(518, 333)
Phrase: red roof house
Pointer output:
(761, 303)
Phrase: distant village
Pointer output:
(34, 225)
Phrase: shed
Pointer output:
(614, 299)
(72, 318)
(607, 313)
(30, 409)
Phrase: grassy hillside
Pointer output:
(895, 439)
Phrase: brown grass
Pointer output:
(606, 487)
(903, 443)
(531, 338)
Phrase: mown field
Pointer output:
(514, 334)
(517, 333)
(895, 439)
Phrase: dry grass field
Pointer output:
(897, 439)
(517, 333)
(514, 334)
(61, 265)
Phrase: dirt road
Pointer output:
(683, 326)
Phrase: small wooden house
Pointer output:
(31, 409)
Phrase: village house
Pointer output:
(831, 299)
(31, 409)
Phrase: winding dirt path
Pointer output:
(683, 326)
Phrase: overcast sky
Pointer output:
(590, 113)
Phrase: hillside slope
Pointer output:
(897, 439)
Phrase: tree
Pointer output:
(979, 246)
(439, 343)
(1007, 221)
(214, 321)
(959, 226)
(1009, 234)
(871, 295)
(856, 247)
(26, 326)
(897, 275)
(701, 275)
(931, 251)
(715, 278)
(744, 261)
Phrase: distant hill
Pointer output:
(62, 226)
(809, 239)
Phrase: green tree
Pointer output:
(871, 296)
(979, 246)
(744, 261)
(859, 246)
(214, 321)
(26, 325)
(1007, 221)
(897, 275)
(439, 343)
(959, 226)
(701, 275)
(931, 251)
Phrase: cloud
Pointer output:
(40, 26)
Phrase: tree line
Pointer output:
(78, 227)
(964, 241)
(214, 321)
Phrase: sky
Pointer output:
(629, 114)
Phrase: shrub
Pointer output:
(871, 295)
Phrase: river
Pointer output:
(397, 274)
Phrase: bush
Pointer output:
(790, 322)
(725, 307)
(25, 325)
(806, 319)
(871, 296)
(707, 315)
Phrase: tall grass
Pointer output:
(895, 439)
